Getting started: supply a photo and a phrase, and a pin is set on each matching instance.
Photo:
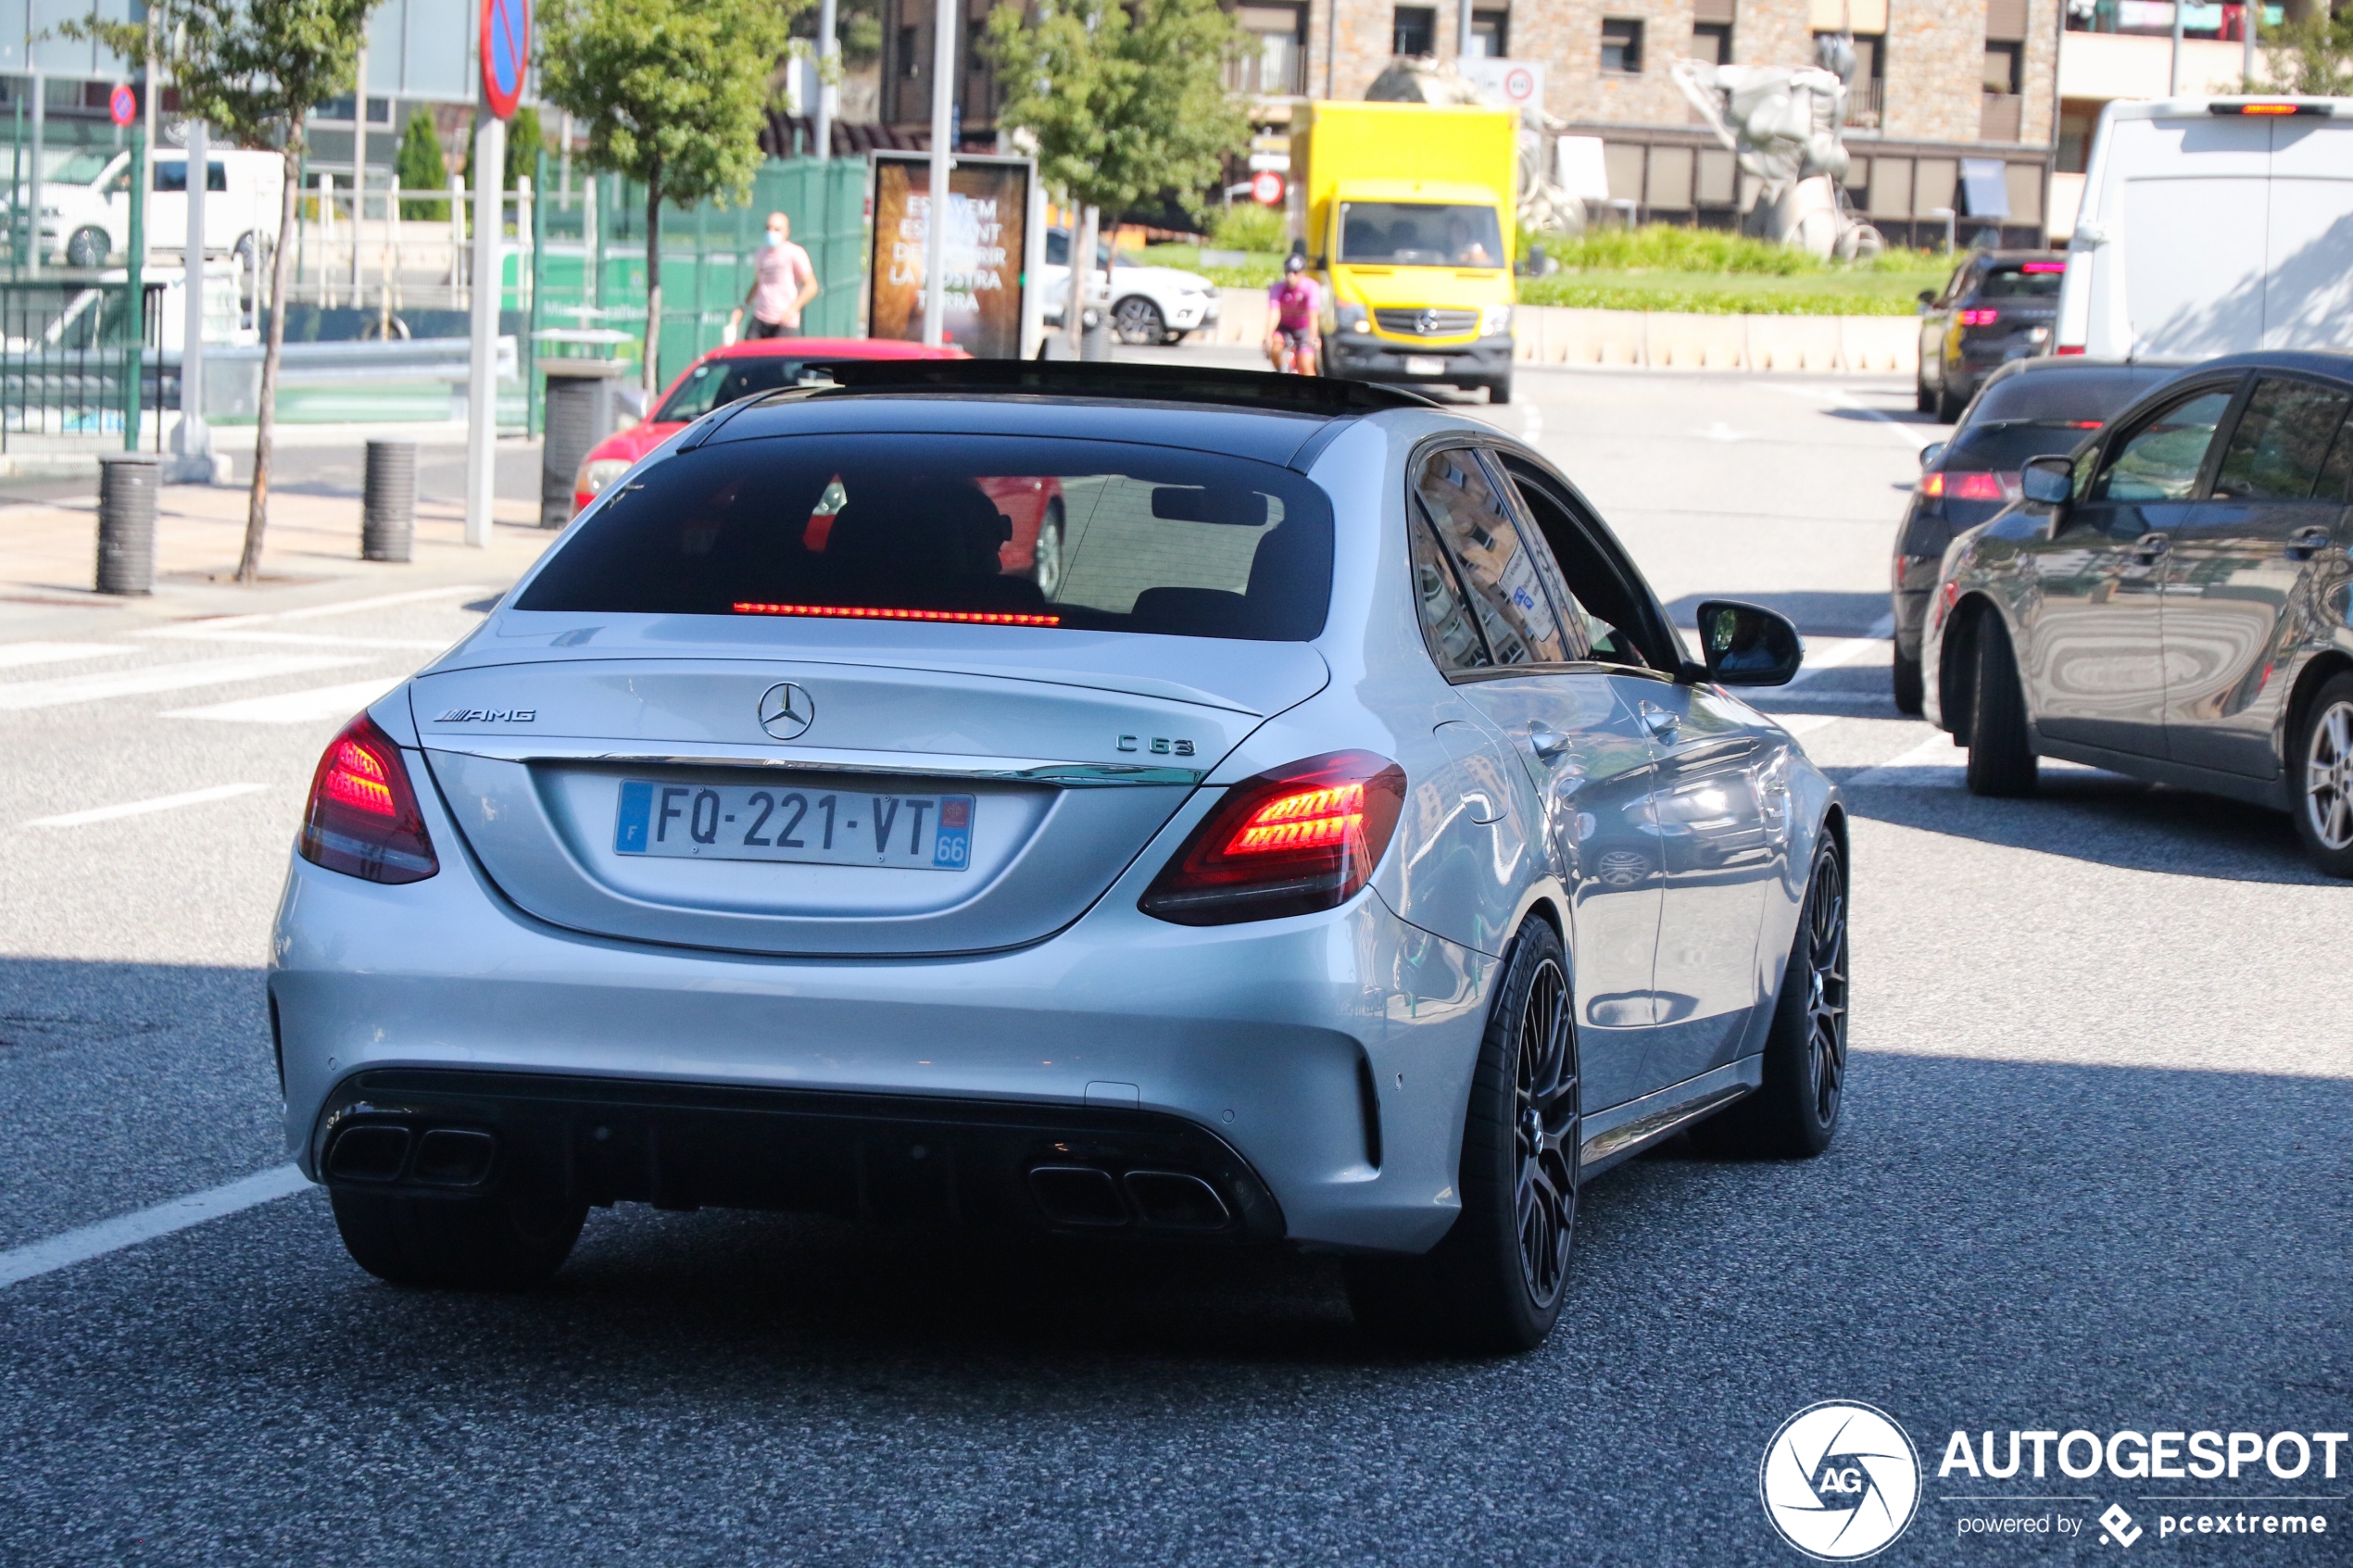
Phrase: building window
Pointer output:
(1867, 94)
(1277, 61)
(1414, 31)
(1621, 45)
(1491, 35)
(1712, 42)
(910, 54)
(2005, 65)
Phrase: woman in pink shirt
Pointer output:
(1292, 306)
(782, 283)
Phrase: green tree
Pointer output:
(2309, 54)
(525, 139)
(254, 71)
(673, 94)
(421, 168)
(1128, 102)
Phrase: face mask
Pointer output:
(772, 239)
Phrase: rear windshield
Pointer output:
(984, 530)
(2034, 280)
(2096, 395)
(2005, 449)
(717, 381)
(1420, 235)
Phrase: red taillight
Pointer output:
(1288, 842)
(2069, 348)
(364, 818)
(1980, 318)
(1973, 487)
(2043, 267)
(864, 613)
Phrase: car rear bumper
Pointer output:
(1361, 356)
(1331, 1054)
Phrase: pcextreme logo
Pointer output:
(1840, 1481)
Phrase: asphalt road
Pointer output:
(2093, 1174)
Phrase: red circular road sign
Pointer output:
(506, 52)
(123, 104)
(1266, 188)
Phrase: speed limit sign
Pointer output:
(1266, 188)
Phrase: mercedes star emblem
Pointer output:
(1429, 323)
(787, 711)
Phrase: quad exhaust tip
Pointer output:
(1089, 1198)
(379, 1152)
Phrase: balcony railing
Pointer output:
(1279, 69)
(1866, 102)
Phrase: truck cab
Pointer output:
(1410, 229)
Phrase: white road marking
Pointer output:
(1936, 763)
(296, 708)
(15, 655)
(141, 808)
(342, 607)
(1805, 723)
(1832, 653)
(129, 1230)
(16, 696)
(299, 639)
(1719, 430)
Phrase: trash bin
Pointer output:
(127, 522)
(581, 412)
(388, 505)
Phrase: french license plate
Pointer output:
(821, 827)
(1425, 365)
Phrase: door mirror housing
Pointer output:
(1930, 453)
(2048, 481)
(1747, 645)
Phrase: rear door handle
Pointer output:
(2306, 543)
(2148, 547)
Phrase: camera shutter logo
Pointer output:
(787, 711)
(1840, 1481)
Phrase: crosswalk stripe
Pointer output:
(341, 606)
(17, 695)
(141, 808)
(129, 1230)
(16, 654)
(296, 708)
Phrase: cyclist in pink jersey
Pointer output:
(1292, 306)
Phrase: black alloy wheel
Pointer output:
(1794, 1113)
(1139, 321)
(1495, 1282)
(2322, 765)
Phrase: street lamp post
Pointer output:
(943, 116)
(828, 66)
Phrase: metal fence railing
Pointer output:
(66, 361)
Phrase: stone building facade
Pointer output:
(1939, 82)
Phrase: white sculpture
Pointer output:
(1781, 123)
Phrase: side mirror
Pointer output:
(2048, 481)
(1930, 453)
(1747, 645)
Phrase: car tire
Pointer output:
(1794, 1113)
(1923, 400)
(1909, 683)
(1496, 1282)
(1138, 320)
(2323, 763)
(87, 248)
(2001, 755)
(1949, 405)
(510, 1242)
(1046, 555)
(1499, 390)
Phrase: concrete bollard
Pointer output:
(127, 522)
(389, 507)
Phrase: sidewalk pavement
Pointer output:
(48, 558)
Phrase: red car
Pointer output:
(1033, 503)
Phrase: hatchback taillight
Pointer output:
(1980, 318)
(364, 818)
(1972, 487)
(1289, 842)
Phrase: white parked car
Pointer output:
(85, 209)
(1143, 304)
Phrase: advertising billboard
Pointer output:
(989, 247)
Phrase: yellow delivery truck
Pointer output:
(1410, 229)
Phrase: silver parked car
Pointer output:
(1346, 854)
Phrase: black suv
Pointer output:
(2027, 409)
(1998, 305)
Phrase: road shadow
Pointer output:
(1820, 614)
(2103, 817)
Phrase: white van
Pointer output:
(2213, 226)
(85, 211)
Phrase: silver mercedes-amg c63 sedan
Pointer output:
(1344, 852)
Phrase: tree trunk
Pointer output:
(266, 423)
(653, 288)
